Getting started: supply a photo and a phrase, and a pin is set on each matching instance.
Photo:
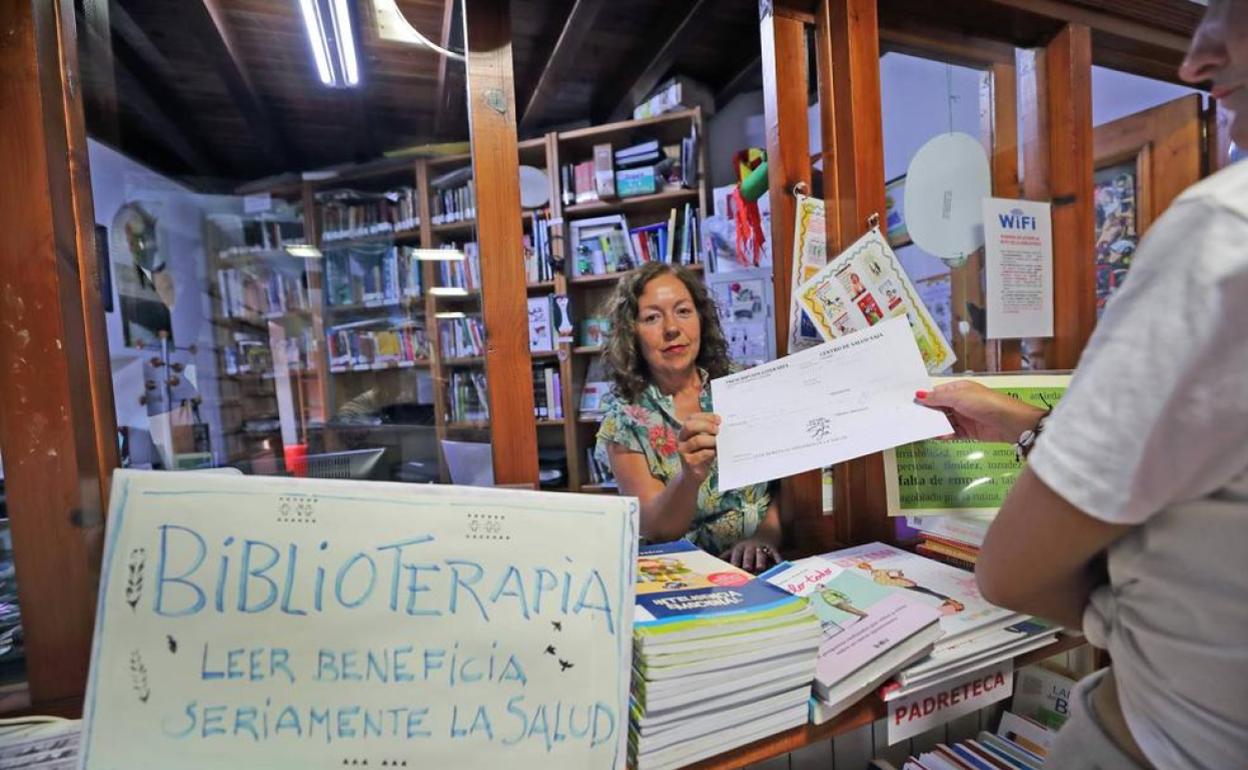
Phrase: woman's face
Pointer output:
(668, 327)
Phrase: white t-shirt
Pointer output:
(1154, 432)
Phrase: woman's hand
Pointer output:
(980, 413)
(753, 554)
(696, 444)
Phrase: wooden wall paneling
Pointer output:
(1068, 91)
(785, 89)
(57, 421)
(1034, 181)
(999, 119)
(495, 160)
(854, 188)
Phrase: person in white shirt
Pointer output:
(1143, 467)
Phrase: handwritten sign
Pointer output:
(921, 711)
(299, 623)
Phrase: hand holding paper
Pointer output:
(844, 399)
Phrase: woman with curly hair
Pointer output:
(658, 430)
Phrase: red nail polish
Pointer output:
(920, 394)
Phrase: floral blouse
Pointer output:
(650, 427)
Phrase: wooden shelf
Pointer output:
(543, 423)
(588, 280)
(464, 225)
(864, 712)
(535, 288)
(543, 355)
(590, 350)
(668, 128)
(399, 236)
(361, 307)
(470, 294)
(589, 420)
(466, 361)
(665, 199)
(382, 366)
(476, 426)
(600, 489)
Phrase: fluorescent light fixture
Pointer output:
(328, 24)
(438, 255)
(303, 251)
(448, 291)
(449, 316)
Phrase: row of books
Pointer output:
(466, 397)
(461, 274)
(954, 539)
(249, 353)
(674, 241)
(243, 235)
(547, 393)
(353, 214)
(607, 244)
(377, 344)
(454, 197)
(261, 291)
(539, 257)
(598, 471)
(720, 658)
(1018, 744)
(462, 337)
(376, 274)
(640, 169)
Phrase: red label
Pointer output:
(727, 578)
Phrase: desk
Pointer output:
(864, 712)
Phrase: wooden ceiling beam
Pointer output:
(208, 24)
(1100, 21)
(444, 40)
(695, 18)
(580, 20)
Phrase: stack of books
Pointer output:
(454, 197)
(462, 337)
(547, 393)
(461, 273)
(974, 633)
(869, 630)
(377, 343)
(539, 257)
(954, 539)
(354, 214)
(675, 241)
(1018, 744)
(264, 291)
(720, 658)
(466, 397)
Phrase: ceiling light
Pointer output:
(303, 251)
(328, 24)
(449, 316)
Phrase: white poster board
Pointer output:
(1018, 261)
(299, 623)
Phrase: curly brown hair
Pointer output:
(628, 370)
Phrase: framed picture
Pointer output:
(895, 218)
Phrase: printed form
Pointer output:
(844, 399)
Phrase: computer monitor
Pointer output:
(471, 463)
(352, 464)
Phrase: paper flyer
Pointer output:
(865, 285)
(810, 254)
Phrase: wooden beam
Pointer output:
(496, 167)
(785, 86)
(442, 105)
(1068, 92)
(56, 409)
(100, 86)
(999, 110)
(848, 30)
(578, 24)
(1099, 21)
(686, 21)
(906, 35)
(208, 22)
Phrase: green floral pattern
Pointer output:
(650, 428)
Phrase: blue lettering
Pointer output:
(433, 660)
(162, 577)
(415, 722)
(398, 563)
(280, 661)
(248, 573)
(596, 580)
(214, 721)
(342, 578)
(371, 726)
(326, 666)
(288, 588)
(602, 736)
(288, 720)
(190, 726)
(322, 718)
(345, 728)
(414, 588)
(457, 582)
(513, 672)
(543, 575)
(513, 708)
(400, 664)
(245, 721)
(349, 672)
(204, 673)
(517, 592)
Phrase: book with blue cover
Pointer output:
(684, 593)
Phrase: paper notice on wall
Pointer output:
(1018, 262)
(934, 706)
(810, 253)
(864, 285)
(307, 623)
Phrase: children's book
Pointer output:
(861, 620)
(950, 590)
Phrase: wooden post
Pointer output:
(999, 121)
(57, 423)
(1068, 92)
(854, 187)
(785, 89)
(495, 161)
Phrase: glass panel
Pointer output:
(13, 693)
(288, 210)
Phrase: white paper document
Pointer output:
(844, 399)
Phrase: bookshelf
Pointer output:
(423, 215)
